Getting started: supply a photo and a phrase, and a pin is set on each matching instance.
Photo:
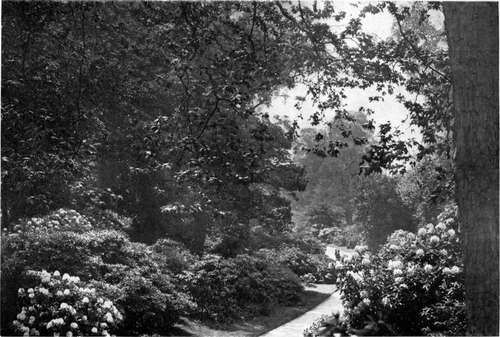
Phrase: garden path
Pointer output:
(332, 304)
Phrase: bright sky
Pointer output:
(387, 110)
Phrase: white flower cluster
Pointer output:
(434, 232)
(407, 259)
(394, 264)
(452, 271)
(59, 220)
(411, 268)
(62, 305)
(56, 322)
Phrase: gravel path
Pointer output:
(332, 304)
(296, 327)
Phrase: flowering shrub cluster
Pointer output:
(60, 220)
(64, 305)
(136, 277)
(152, 286)
(84, 254)
(414, 284)
(306, 242)
(70, 220)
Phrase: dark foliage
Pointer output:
(138, 278)
(240, 287)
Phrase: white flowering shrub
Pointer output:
(139, 279)
(60, 220)
(81, 254)
(65, 219)
(64, 306)
(414, 283)
(62, 239)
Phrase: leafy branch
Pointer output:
(416, 51)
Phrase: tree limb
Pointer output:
(416, 51)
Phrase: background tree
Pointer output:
(331, 160)
(97, 103)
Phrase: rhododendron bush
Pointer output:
(152, 286)
(64, 306)
(413, 285)
(137, 278)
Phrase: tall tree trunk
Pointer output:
(472, 29)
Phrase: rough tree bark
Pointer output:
(472, 29)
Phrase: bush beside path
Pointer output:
(331, 305)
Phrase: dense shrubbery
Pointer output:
(345, 237)
(324, 216)
(304, 241)
(240, 286)
(152, 303)
(137, 277)
(173, 255)
(312, 268)
(151, 285)
(412, 286)
(307, 243)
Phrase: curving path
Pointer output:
(296, 327)
(332, 304)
